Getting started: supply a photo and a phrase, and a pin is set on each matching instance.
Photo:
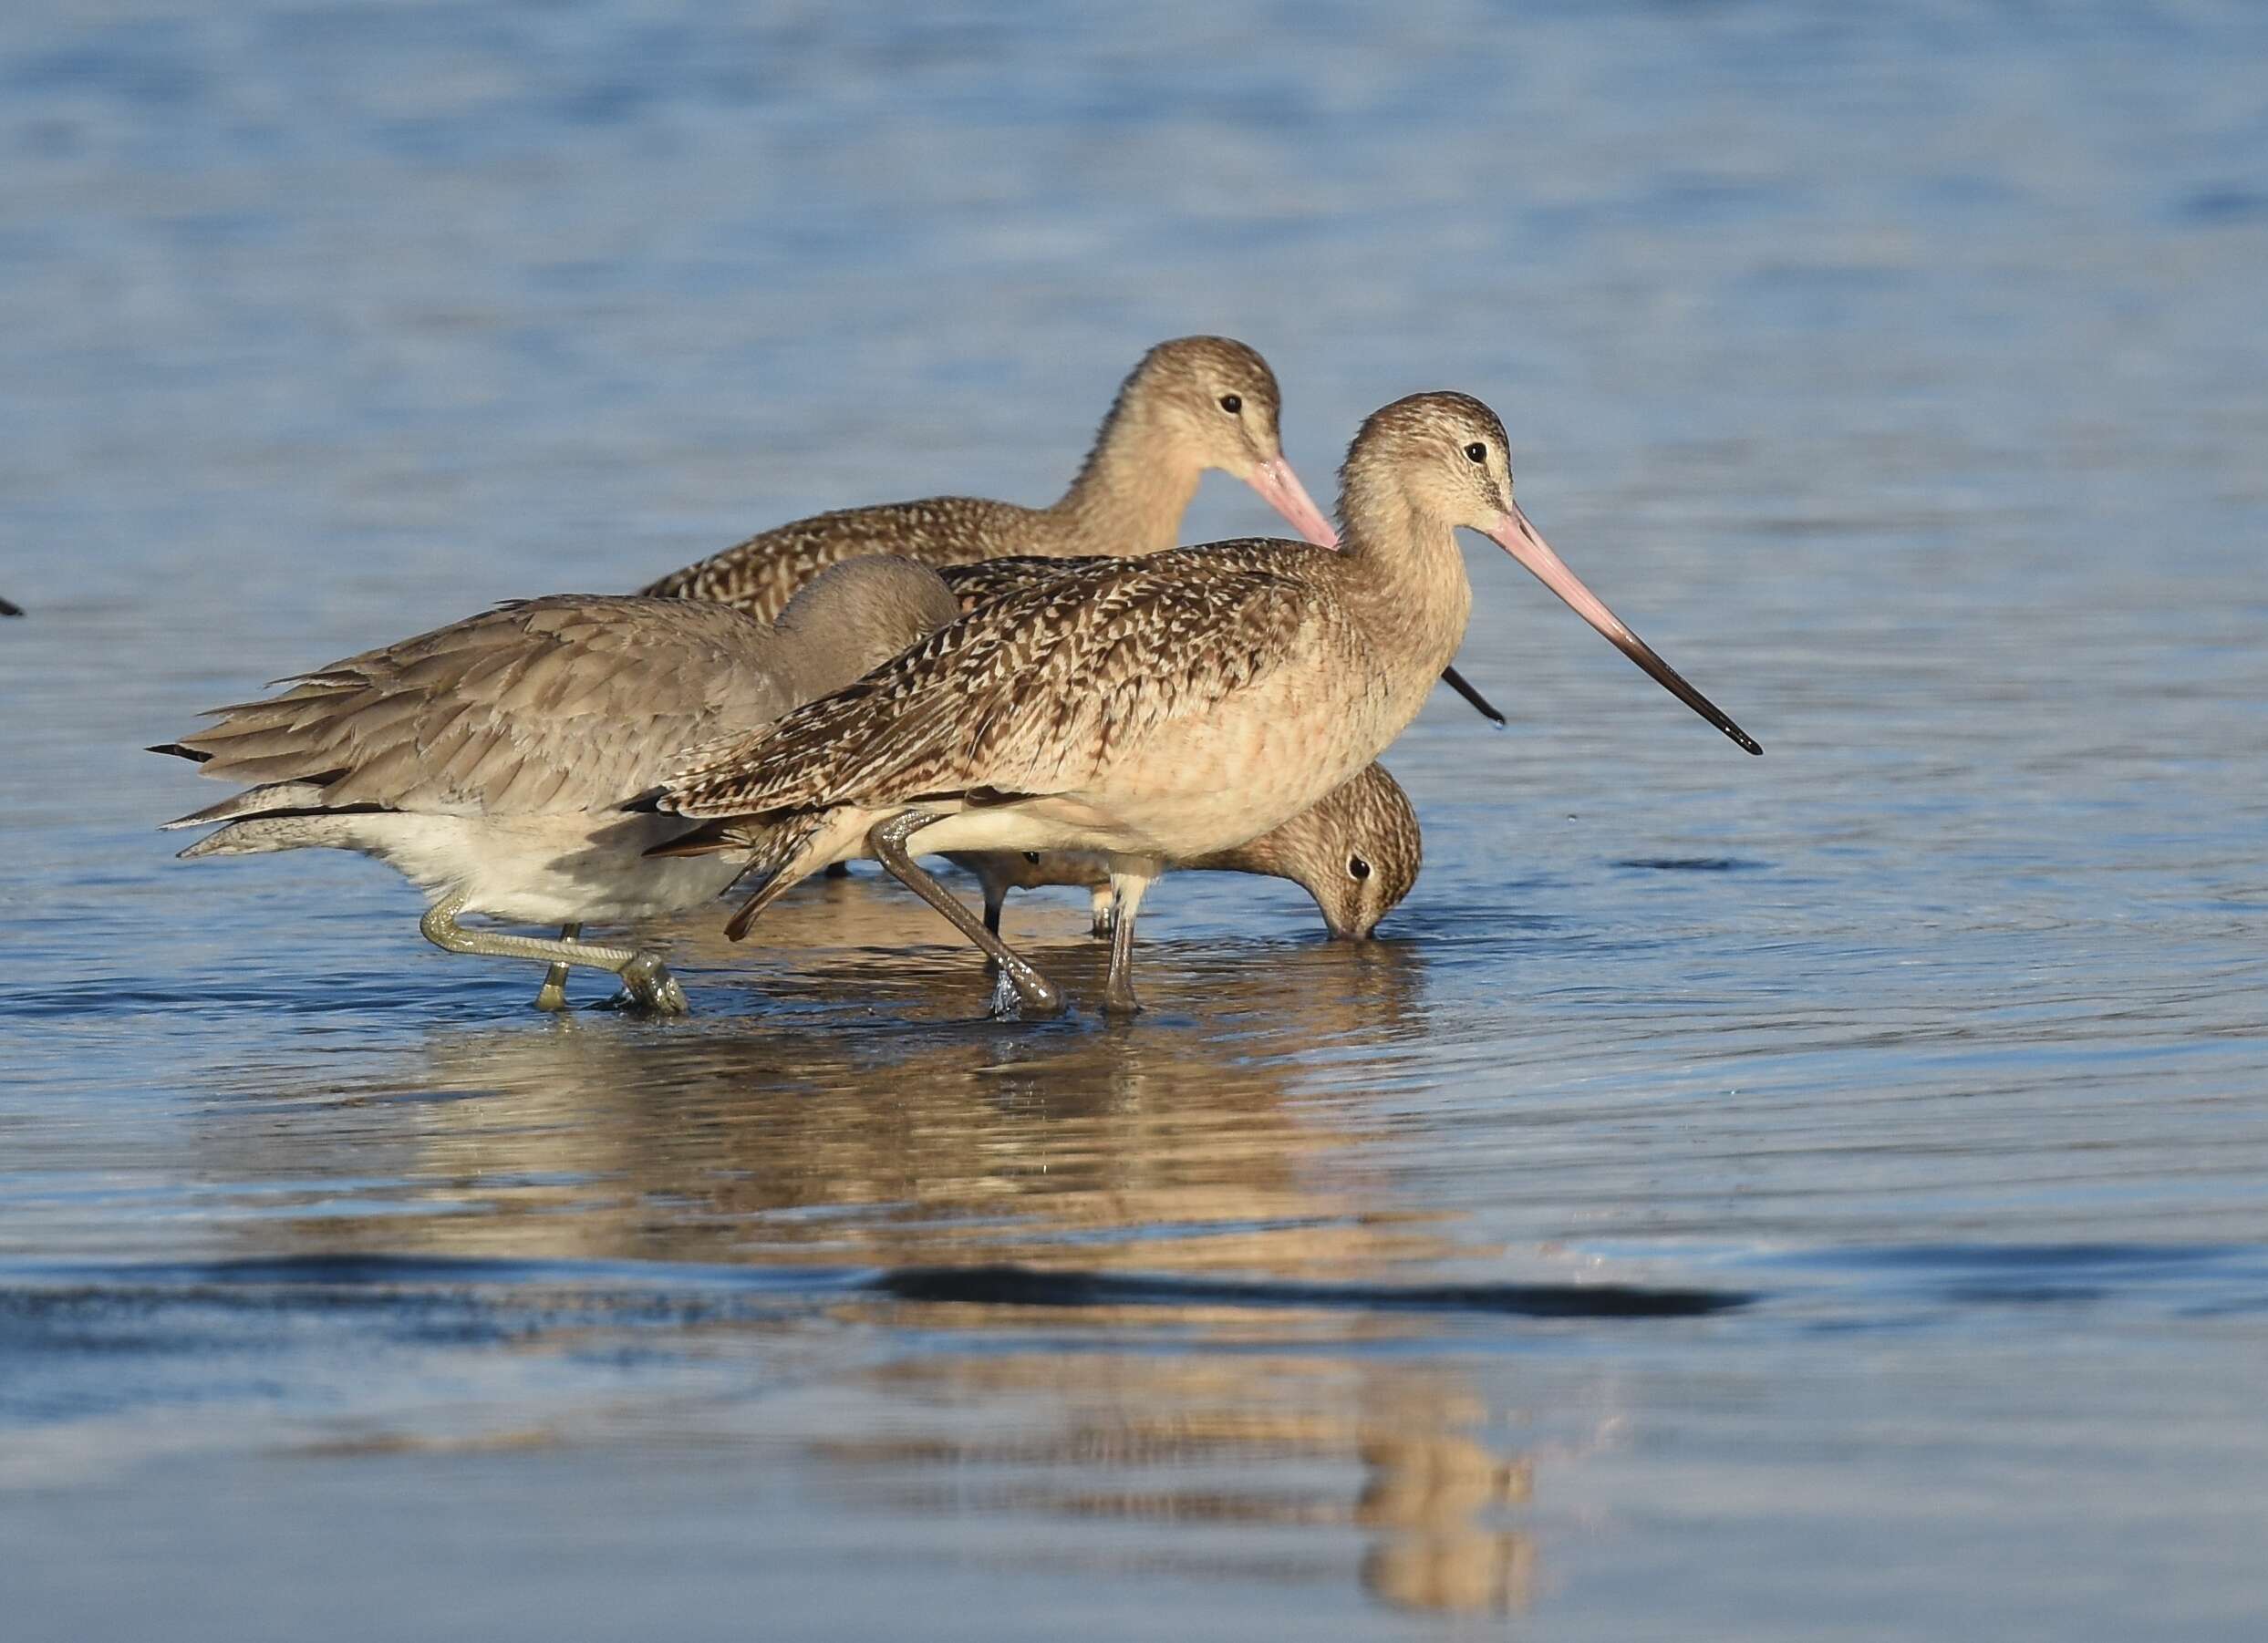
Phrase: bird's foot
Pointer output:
(1007, 1004)
(648, 987)
(1025, 996)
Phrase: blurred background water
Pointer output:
(1898, 370)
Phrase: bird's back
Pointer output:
(547, 705)
(1039, 691)
(758, 576)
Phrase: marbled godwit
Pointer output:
(486, 760)
(1156, 710)
(1356, 851)
(1192, 404)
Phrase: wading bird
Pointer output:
(1153, 710)
(1356, 851)
(1191, 405)
(487, 760)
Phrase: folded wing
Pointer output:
(540, 706)
(1037, 691)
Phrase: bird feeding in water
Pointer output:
(1356, 851)
(1154, 710)
(486, 760)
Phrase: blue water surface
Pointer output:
(1897, 370)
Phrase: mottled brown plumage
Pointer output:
(1159, 709)
(990, 579)
(1039, 690)
(1368, 819)
(1165, 429)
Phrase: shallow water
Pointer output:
(1815, 1196)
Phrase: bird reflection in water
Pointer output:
(857, 1119)
(1202, 1463)
(868, 1117)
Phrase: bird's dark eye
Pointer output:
(1033, 856)
(1477, 452)
(1231, 403)
(1357, 868)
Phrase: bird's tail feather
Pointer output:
(275, 796)
(796, 849)
(260, 835)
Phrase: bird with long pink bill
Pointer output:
(1192, 406)
(1154, 710)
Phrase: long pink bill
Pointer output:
(1517, 537)
(1281, 488)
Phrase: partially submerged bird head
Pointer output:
(853, 617)
(1217, 403)
(1442, 461)
(1356, 851)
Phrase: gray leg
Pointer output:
(887, 840)
(644, 978)
(553, 994)
(1130, 877)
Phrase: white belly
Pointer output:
(545, 870)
